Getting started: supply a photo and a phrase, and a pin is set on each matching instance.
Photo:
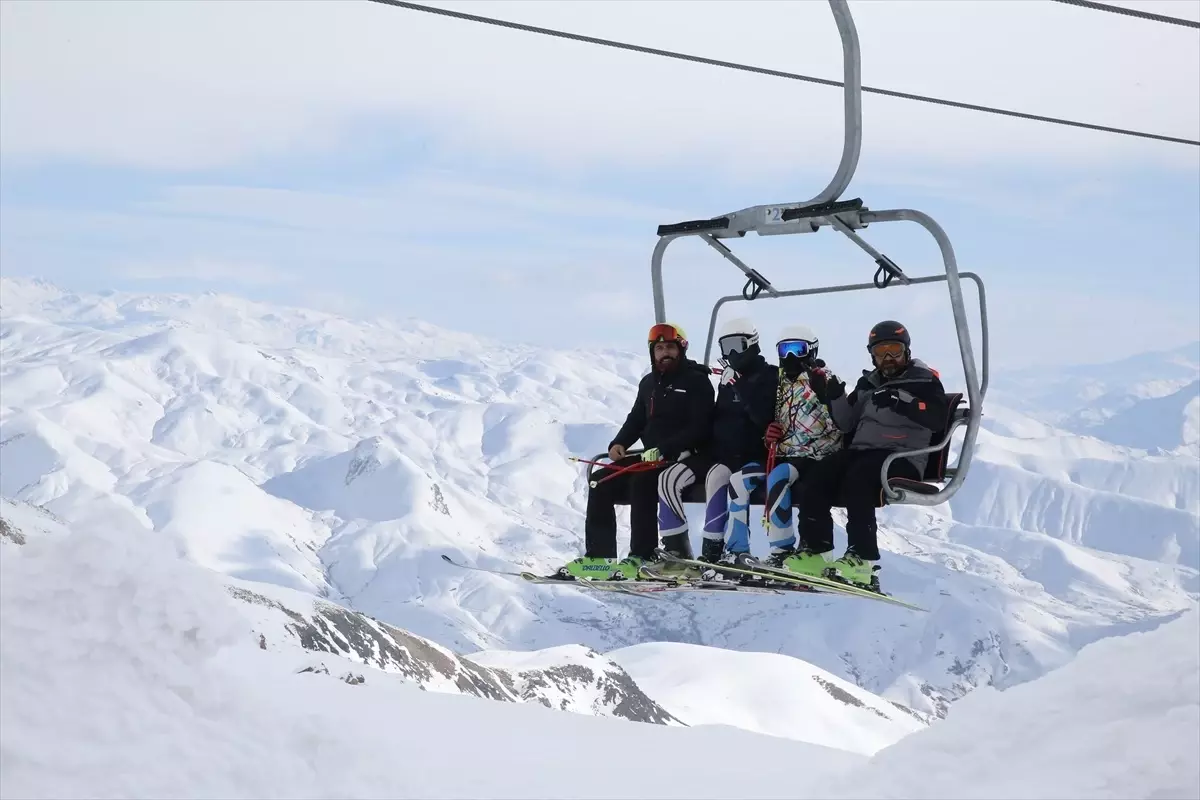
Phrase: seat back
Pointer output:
(935, 465)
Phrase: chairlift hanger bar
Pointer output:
(846, 216)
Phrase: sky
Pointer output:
(381, 162)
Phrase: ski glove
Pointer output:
(653, 454)
(827, 387)
(774, 433)
(886, 398)
(729, 376)
(898, 399)
(863, 387)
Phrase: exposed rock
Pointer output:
(606, 690)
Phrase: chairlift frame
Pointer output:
(847, 216)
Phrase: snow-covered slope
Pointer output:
(320, 633)
(340, 459)
(766, 693)
(1150, 402)
(1122, 720)
(128, 671)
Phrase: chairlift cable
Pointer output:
(1130, 12)
(781, 74)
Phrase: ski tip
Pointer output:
(447, 558)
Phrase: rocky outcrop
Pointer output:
(603, 689)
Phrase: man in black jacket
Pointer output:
(672, 416)
(900, 405)
(745, 407)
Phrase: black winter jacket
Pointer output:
(744, 410)
(672, 412)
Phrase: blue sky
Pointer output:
(374, 161)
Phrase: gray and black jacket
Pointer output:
(904, 412)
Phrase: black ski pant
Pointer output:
(851, 476)
(600, 525)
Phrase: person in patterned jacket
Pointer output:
(803, 432)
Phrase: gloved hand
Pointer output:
(729, 376)
(834, 388)
(653, 454)
(886, 398)
(864, 386)
(825, 384)
(774, 433)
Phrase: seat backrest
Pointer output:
(935, 465)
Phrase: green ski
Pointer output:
(822, 585)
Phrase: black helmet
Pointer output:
(889, 331)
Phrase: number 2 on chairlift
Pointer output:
(773, 215)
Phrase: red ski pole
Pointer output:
(767, 497)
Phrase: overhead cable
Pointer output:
(779, 73)
(1131, 12)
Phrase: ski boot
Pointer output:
(742, 561)
(588, 568)
(806, 562)
(776, 558)
(711, 550)
(678, 546)
(628, 568)
(852, 569)
(731, 559)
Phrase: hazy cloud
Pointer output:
(186, 85)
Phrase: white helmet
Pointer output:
(738, 325)
(746, 335)
(802, 333)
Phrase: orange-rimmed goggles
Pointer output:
(666, 332)
(885, 349)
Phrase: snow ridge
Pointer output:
(233, 427)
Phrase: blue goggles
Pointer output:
(794, 347)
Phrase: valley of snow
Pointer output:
(126, 671)
(312, 464)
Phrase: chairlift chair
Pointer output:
(847, 217)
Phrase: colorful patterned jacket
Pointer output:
(808, 423)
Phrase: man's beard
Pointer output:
(890, 368)
(666, 363)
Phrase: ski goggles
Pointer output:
(736, 343)
(885, 349)
(794, 347)
(665, 332)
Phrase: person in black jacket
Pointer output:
(900, 405)
(745, 407)
(672, 416)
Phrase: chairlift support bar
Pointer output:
(854, 287)
(847, 217)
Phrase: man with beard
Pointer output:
(900, 405)
(672, 416)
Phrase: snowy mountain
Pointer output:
(1149, 402)
(766, 693)
(303, 452)
(129, 671)
(316, 634)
